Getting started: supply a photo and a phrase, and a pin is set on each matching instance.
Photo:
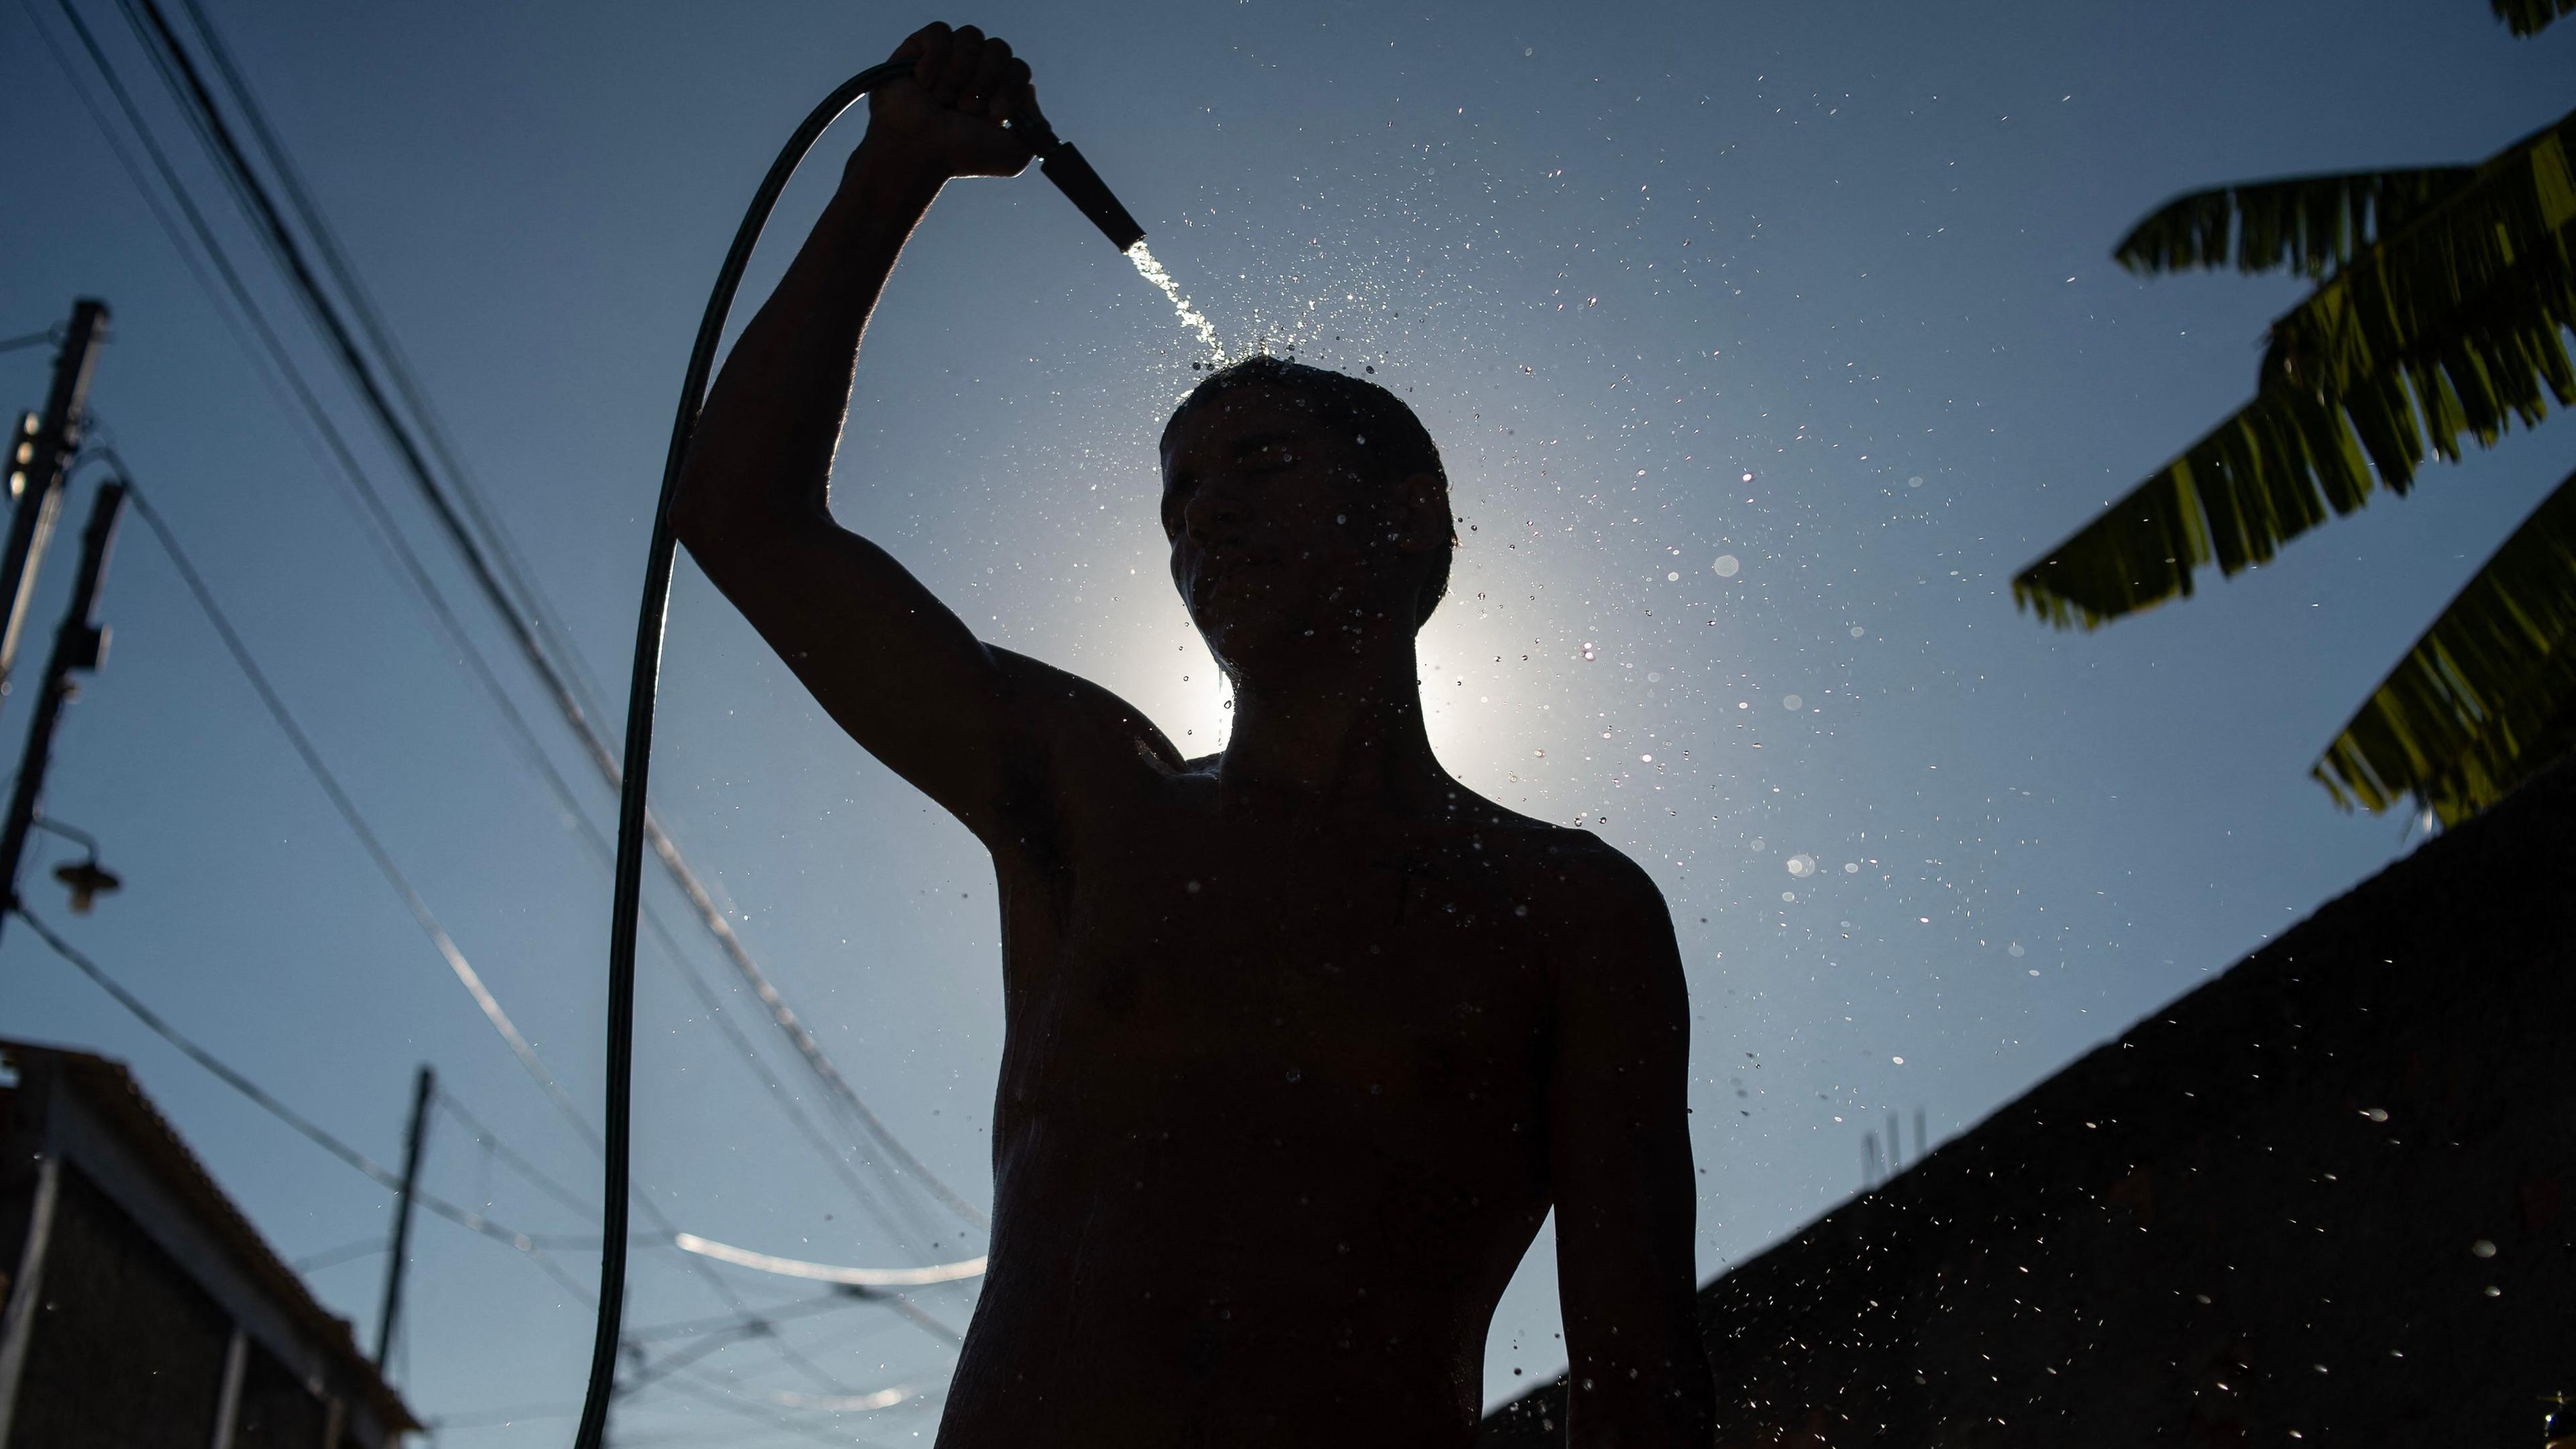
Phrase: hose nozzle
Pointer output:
(1080, 184)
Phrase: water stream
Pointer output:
(1191, 317)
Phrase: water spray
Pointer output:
(1064, 166)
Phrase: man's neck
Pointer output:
(1347, 744)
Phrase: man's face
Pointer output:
(1280, 541)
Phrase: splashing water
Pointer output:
(1191, 317)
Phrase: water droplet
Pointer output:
(1645, 759)
(1296, 1075)
(2376, 1114)
(1788, 895)
(1851, 867)
(1857, 631)
(1726, 566)
(1914, 482)
(1802, 866)
(1672, 578)
(2014, 950)
(1900, 1061)
(1792, 701)
(2482, 1248)
(1587, 648)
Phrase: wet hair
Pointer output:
(1398, 445)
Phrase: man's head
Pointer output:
(1304, 508)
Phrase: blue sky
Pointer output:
(1825, 292)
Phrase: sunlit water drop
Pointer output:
(1191, 317)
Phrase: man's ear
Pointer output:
(1424, 525)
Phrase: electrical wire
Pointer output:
(491, 1142)
(278, 371)
(348, 808)
(439, 939)
(533, 1245)
(312, 1263)
(189, 87)
(512, 565)
(270, 360)
(357, 822)
(693, 1383)
(246, 189)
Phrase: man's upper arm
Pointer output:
(891, 664)
(1626, 1195)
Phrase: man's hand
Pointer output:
(946, 119)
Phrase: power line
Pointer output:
(280, 369)
(491, 1142)
(279, 373)
(438, 936)
(312, 1263)
(513, 567)
(190, 88)
(348, 808)
(533, 1245)
(388, 535)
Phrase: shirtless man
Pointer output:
(1303, 1039)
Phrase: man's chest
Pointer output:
(1360, 963)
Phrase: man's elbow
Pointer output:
(719, 520)
(697, 511)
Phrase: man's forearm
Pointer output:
(765, 441)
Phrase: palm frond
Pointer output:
(2456, 325)
(2311, 224)
(2487, 698)
(2527, 17)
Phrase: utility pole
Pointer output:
(78, 644)
(421, 1089)
(39, 455)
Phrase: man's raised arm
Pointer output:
(890, 663)
(1626, 1197)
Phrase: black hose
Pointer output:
(640, 691)
(1062, 165)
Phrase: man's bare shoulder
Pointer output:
(1081, 722)
(1569, 877)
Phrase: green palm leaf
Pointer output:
(2312, 224)
(2526, 17)
(2455, 324)
(2487, 697)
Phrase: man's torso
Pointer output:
(1272, 1128)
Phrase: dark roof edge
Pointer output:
(109, 1088)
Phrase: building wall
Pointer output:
(2327, 1197)
(126, 1352)
(138, 1302)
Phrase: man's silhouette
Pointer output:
(1303, 1039)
